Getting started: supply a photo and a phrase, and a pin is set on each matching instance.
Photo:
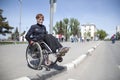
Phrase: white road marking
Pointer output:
(71, 79)
(90, 50)
(74, 63)
(22, 78)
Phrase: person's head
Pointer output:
(40, 18)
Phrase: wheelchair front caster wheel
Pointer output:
(59, 59)
(40, 68)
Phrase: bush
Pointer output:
(11, 42)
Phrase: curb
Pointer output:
(23, 78)
(65, 67)
(44, 76)
(74, 63)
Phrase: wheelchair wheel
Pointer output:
(47, 53)
(53, 58)
(34, 56)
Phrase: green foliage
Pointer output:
(74, 26)
(58, 28)
(4, 26)
(101, 34)
(15, 35)
(11, 42)
(67, 27)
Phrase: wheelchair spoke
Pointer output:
(34, 56)
(40, 54)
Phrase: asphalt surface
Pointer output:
(102, 64)
(13, 62)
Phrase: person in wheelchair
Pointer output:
(37, 32)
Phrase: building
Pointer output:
(118, 32)
(88, 31)
(117, 29)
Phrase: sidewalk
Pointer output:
(78, 52)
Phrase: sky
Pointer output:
(105, 14)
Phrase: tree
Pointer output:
(61, 27)
(4, 26)
(15, 35)
(58, 28)
(74, 26)
(67, 27)
(66, 23)
(101, 34)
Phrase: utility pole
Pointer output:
(20, 18)
(52, 3)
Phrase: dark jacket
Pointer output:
(36, 33)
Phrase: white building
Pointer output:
(88, 31)
(118, 29)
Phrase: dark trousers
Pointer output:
(52, 42)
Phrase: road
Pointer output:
(13, 62)
(103, 64)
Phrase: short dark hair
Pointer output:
(39, 15)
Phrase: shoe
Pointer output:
(63, 50)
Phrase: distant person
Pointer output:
(38, 32)
(113, 38)
(22, 38)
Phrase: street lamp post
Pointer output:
(20, 18)
(52, 2)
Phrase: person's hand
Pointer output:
(31, 42)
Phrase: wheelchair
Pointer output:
(39, 54)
